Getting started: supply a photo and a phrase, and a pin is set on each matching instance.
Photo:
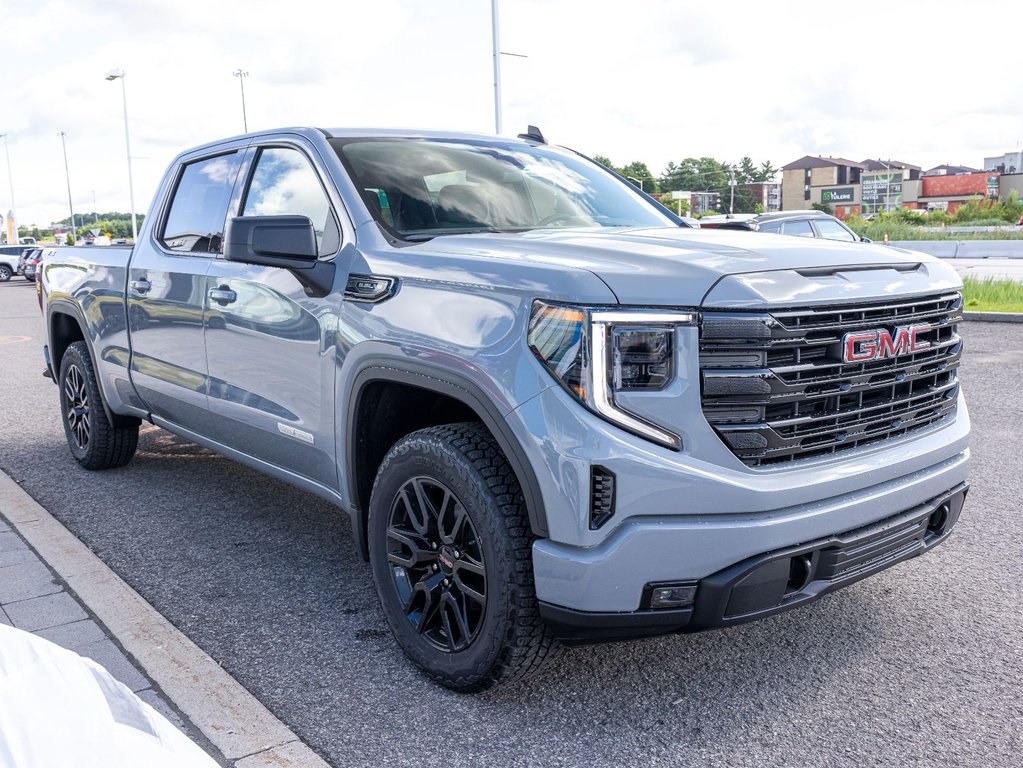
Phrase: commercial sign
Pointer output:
(838, 195)
(881, 192)
(992, 186)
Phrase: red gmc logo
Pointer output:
(878, 345)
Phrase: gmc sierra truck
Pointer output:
(552, 410)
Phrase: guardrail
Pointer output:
(964, 249)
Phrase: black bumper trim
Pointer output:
(769, 583)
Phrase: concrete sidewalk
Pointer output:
(51, 584)
(34, 598)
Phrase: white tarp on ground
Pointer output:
(59, 710)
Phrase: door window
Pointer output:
(285, 184)
(195, 220)
(832, 230)
(797, 229)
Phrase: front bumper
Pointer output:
(777, 580)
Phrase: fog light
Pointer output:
(672, 595)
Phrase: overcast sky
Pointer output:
(651, 80)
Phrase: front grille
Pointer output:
(775, 388)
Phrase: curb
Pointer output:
(245, 731)
(994, 317)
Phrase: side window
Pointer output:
(772, 228)
(832, 230)
(195, 220)
(285, 184)
(797, 228)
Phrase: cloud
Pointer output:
(657, 80)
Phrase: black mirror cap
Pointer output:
(271, 241)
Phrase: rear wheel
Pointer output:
(5, 273)
(451, 556)
(94, 441)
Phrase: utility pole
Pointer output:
(497, 66)
(67, 175)
(118, 74)
(10, 178)
(731, 183)
(241, 74)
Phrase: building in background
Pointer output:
(1010, 162)
(804, 181)
(887, 185)
(766, 194)
(947, 193)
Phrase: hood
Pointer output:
(717, 268)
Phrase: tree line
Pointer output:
(113, 223)
(699, 174)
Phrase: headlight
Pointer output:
(595, 353)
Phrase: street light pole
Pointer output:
(241, 74)
(638, 181)
(10, 177)
(67, 175)
(497, 67)
(118, 74)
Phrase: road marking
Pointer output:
(14, 339)
(227, 714)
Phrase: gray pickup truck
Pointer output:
(552, 411)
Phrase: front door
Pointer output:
(167, 292)
(270, 346)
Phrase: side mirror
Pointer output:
(271, 241)
(866, 240)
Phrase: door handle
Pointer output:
(141, 286)
(222, 295)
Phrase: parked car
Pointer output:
(10, 257)
(793, 223)
(30, 263)
(550, 411)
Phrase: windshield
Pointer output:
(421, 188)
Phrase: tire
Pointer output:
(94, 441)
(474, 541)
(5, 273)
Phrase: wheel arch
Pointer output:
(461, 398)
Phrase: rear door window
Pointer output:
(797, 229)
(198, 210)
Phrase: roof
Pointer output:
(811, 213)
(950, 170)
(882, 165)
(809, 161)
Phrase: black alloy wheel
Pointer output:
(437, 564)
(76, 405)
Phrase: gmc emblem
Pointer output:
(878, 345)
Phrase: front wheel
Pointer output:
(94, 441)
(5, 273)
(451, 556)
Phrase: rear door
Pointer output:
(167, 290)
(270, 343)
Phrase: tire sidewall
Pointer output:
(424, 457)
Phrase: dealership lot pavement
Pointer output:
(919, 665)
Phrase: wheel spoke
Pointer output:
(413, 511)
(69, 388)
(419, 547)
(429, 590)
(456, 609)
(463, 567)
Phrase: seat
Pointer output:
(462, 205)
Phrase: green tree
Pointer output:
(695, 175)
(638, 170)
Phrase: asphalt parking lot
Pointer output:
(920, 665)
